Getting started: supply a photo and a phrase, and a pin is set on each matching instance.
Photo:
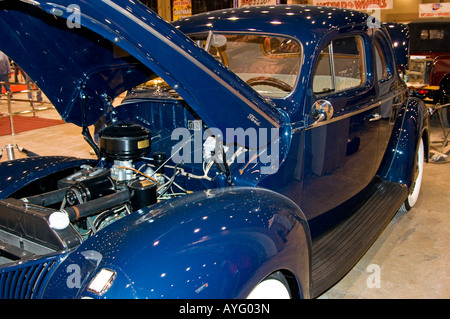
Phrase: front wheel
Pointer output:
(418, 173)
(274, 286)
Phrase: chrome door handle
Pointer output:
(322, 110)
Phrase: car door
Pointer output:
(340, 152)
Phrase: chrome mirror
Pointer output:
(322, 110)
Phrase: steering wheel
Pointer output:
(266, 80)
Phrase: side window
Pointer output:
(323, 77)
(340, 66)
(348, 63)
(383, 59)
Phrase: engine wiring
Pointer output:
(167, 187)
(138, 172)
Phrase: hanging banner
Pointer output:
(430, 10)
(181, 9)
(247, 3)
(356, 4)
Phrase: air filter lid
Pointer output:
(124, 141)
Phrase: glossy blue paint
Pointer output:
(153, 44)
(400, 35)
(212, 244)
(220, 241)
(30, 32)
(321, 23)
(400, 157)
(18, 173)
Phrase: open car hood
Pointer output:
(82, 54)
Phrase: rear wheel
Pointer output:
(418, 173)
(274, 286)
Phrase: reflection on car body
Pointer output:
(254, 153)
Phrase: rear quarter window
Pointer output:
(340, 66)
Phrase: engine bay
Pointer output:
(90, 198)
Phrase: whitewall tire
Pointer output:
(413, 196)
(274, 286)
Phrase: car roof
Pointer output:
(298, 21)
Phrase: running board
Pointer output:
(336, 252)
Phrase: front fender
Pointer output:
(410, 125)
(211, 244)
(19, 173)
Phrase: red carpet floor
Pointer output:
(25, 123)
(16, 88)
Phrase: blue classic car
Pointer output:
(259, 151)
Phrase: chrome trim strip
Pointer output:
(350, 114)
(345, 116)
(32, 2)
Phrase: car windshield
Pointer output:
(270, 64)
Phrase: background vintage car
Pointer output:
(343, 147)
(429, 67)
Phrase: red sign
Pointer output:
(356, 4)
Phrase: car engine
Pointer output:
(88, 199)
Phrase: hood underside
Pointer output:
(83, 54)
